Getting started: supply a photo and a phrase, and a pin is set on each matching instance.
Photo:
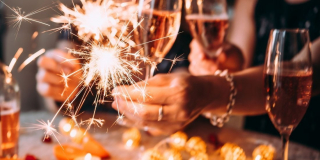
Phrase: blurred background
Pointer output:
(30, 99)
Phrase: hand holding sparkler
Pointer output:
(174, 100)
(58, 75)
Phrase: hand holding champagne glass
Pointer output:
(159, 28)
(288, 80)
(208, 22)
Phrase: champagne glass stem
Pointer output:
(149, 71)
(285, 146)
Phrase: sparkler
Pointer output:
(107, 58)
(20, 16)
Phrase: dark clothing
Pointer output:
(278, 14)
(3, 28)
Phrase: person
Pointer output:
(191, 95)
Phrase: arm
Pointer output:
(242, 29)
(238, 48)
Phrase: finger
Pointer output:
(149, 112)
(49, 64)
(48, 77)
(153, 95)
(64, 58)
(153, 128)
(51, 91)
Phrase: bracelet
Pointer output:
(221, 119)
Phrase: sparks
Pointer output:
(92, 121)
(95, 19)
(174, 61)
(107, 59)
(48, 128)
(20, 16)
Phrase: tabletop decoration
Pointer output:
(78, 135)
(68, 152)
(131, 138)
(88, 156)
(152, 154)
(263, 152)
(196, 145)
(172, 154)
(230, 151)
(178, 140)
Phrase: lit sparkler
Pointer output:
(20, 16)
(107, 58)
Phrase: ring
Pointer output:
(160, 113)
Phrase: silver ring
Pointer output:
(160, 116)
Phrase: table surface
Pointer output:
(110, 137)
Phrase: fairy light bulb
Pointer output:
(200, 156)
(131, 138)
(152, 154)
(88, 156)
(196, 145)
(178, 140)
(172, 154)
(66, 125)
(263, 152)
(231, 151)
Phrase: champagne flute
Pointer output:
(208, 22)
(158, 29)
(288, 80)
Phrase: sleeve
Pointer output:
(179, 49)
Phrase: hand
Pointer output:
(182, 96)
(49, 80)
(229, 57)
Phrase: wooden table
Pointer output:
(110, 137)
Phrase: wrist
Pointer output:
(218, 94)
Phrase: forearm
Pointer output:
(250, 98)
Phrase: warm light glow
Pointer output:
(73, 133)
(88, 156)
(35, 35)
(67, 127)
(258, 157)
(129, 143)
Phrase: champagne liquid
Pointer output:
(9, 131)
(208, 30)
(158, 30)
(288, 97)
